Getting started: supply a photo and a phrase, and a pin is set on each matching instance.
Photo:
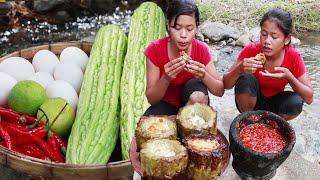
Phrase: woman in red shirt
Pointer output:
(171, 81)
(261, 86)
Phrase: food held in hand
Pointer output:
(261, 57)
(262, 138)
(152, 127)
(184, 56)
(163, 159)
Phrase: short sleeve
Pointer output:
(151, 53)
(201, 52)
(250, 50)
(299, 67)
(206, 56)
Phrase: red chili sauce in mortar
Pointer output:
(262, 138)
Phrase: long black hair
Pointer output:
(282, 18)
(182, 7)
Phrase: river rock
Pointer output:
(254, 34)
(216, 31)
(61, 15)
(215, 54)
(199, 36)
(243, 40)
(228, 50)
(295, 41)
(45, 5)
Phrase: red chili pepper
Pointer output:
(18, 126)
(8, 113)
(47, 149)
(41, 131)
(18, 130)
(32, 150)
(21, 140)
(6, 137)
(14, 130)
(10, 120)
(61, 143)
(55, 146)
(27, 119)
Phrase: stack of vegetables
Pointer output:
(111, 87)
(26, 135)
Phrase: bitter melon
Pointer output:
(147, 24)
(95, 131)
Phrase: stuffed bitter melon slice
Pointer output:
(206, 156)
(196, 118)
(163, 159)
(152, 127)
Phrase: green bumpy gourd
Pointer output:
(147, 24)
(95, 130)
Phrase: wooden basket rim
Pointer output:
(49, 46)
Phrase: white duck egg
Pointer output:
(75, 55)
(62, 89)
(45, 61)
(70, 73)
(17, 67)
(6, 84)
(43, 78)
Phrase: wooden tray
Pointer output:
(135, 161)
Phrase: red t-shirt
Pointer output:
(293, 61)
(157, 53)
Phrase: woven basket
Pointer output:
(50, 170)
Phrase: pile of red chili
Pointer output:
(26, 135)
(262, 138)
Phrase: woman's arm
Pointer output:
(208, 75)
(156, 85)
(248, 65)
(230, 78)
(213, 80)
(301, 85)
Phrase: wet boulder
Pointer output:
(216, 31)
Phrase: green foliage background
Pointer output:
(247, 13)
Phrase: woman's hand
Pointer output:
(196, 69)
(250, 65)
(173, 68)
(278, 73)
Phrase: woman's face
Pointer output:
(272, 38)
(182, 34)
